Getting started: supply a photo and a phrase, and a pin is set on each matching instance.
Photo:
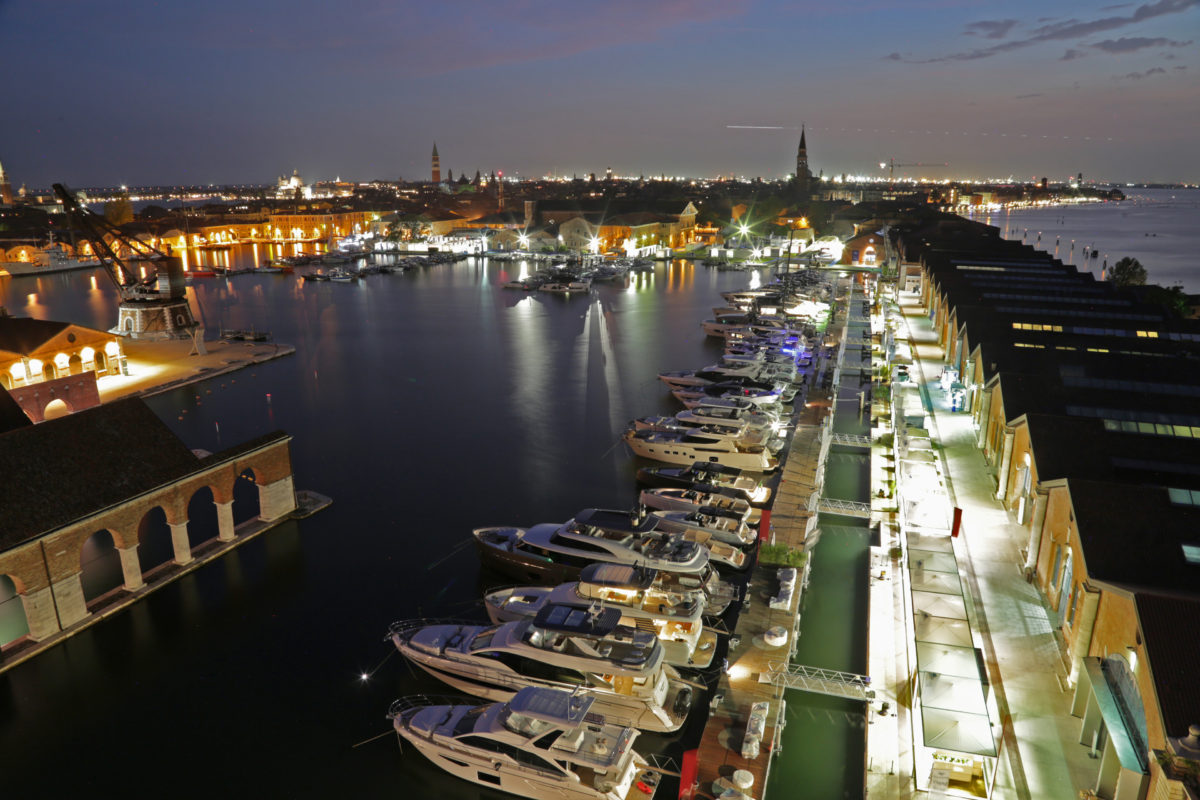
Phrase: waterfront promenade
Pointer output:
(158, 366)
(1040, 756)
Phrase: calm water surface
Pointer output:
(1158, 227)
(424, 404)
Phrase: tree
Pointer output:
(118, 211)
(1127, 272)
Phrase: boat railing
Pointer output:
(413, 701)
(407, 626)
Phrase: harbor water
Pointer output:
(425, 404)
(1158, 227)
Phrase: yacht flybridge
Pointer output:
(676, 617)
(543, 744)
(585, 650)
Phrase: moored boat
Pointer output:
(686, 449)
(582, 650)
(541, 744)
(676, 617)
(713, 477)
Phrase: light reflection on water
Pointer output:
(426, 404)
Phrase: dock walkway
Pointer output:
(748, 682)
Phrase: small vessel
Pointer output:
(676, 617)
(556, 553)
(712, 523)
(713, 477)
(693, 498)
(731, 417)
(339, 275)
(584, 650)
(555, 288)
(759, 396)
(687, 448)
(541, 744)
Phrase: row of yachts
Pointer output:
(613, 621)
(733, 409)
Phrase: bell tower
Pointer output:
(803, 175)
(6, 193)
(437, 165)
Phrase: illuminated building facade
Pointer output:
(1086, 408)
(6, 192)
(35, 350)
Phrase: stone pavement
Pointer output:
(1040, 754)
(156, 367)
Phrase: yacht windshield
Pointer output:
(482, 640)
(526, 726)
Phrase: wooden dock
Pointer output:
(746, 680)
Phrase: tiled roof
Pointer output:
(25, 335)
(1171, 629)
(1132, 535)
(75, 465)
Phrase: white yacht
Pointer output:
(685, 448)
(737, 434)
(584, 650)
(713, 524)
(543, 744)
(737, 403)
(758, 396)
(712, 415)
(707, 477)
(695, 499)
(675, 617)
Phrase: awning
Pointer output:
(959, 732)
(950, 693)
(1129, 754)
(941, 630)
(938, 605)
(946, 659)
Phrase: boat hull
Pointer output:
(475, 681)
(674, 453)
(531, 783)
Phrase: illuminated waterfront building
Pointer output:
(6, 192)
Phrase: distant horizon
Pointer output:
(900, 182)
(207, 95)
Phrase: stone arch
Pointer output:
(57, 407)
(6, 380)
(202, 524)
(62, 363)
(154, 540)
(14, 625)
(101, 363)
(100, 565)
(245, 496)
(75, 364)
(49, 371)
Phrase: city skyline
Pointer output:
(693, 88)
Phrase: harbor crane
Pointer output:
(891, 165)
(149, 309)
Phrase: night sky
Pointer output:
(136, 92)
